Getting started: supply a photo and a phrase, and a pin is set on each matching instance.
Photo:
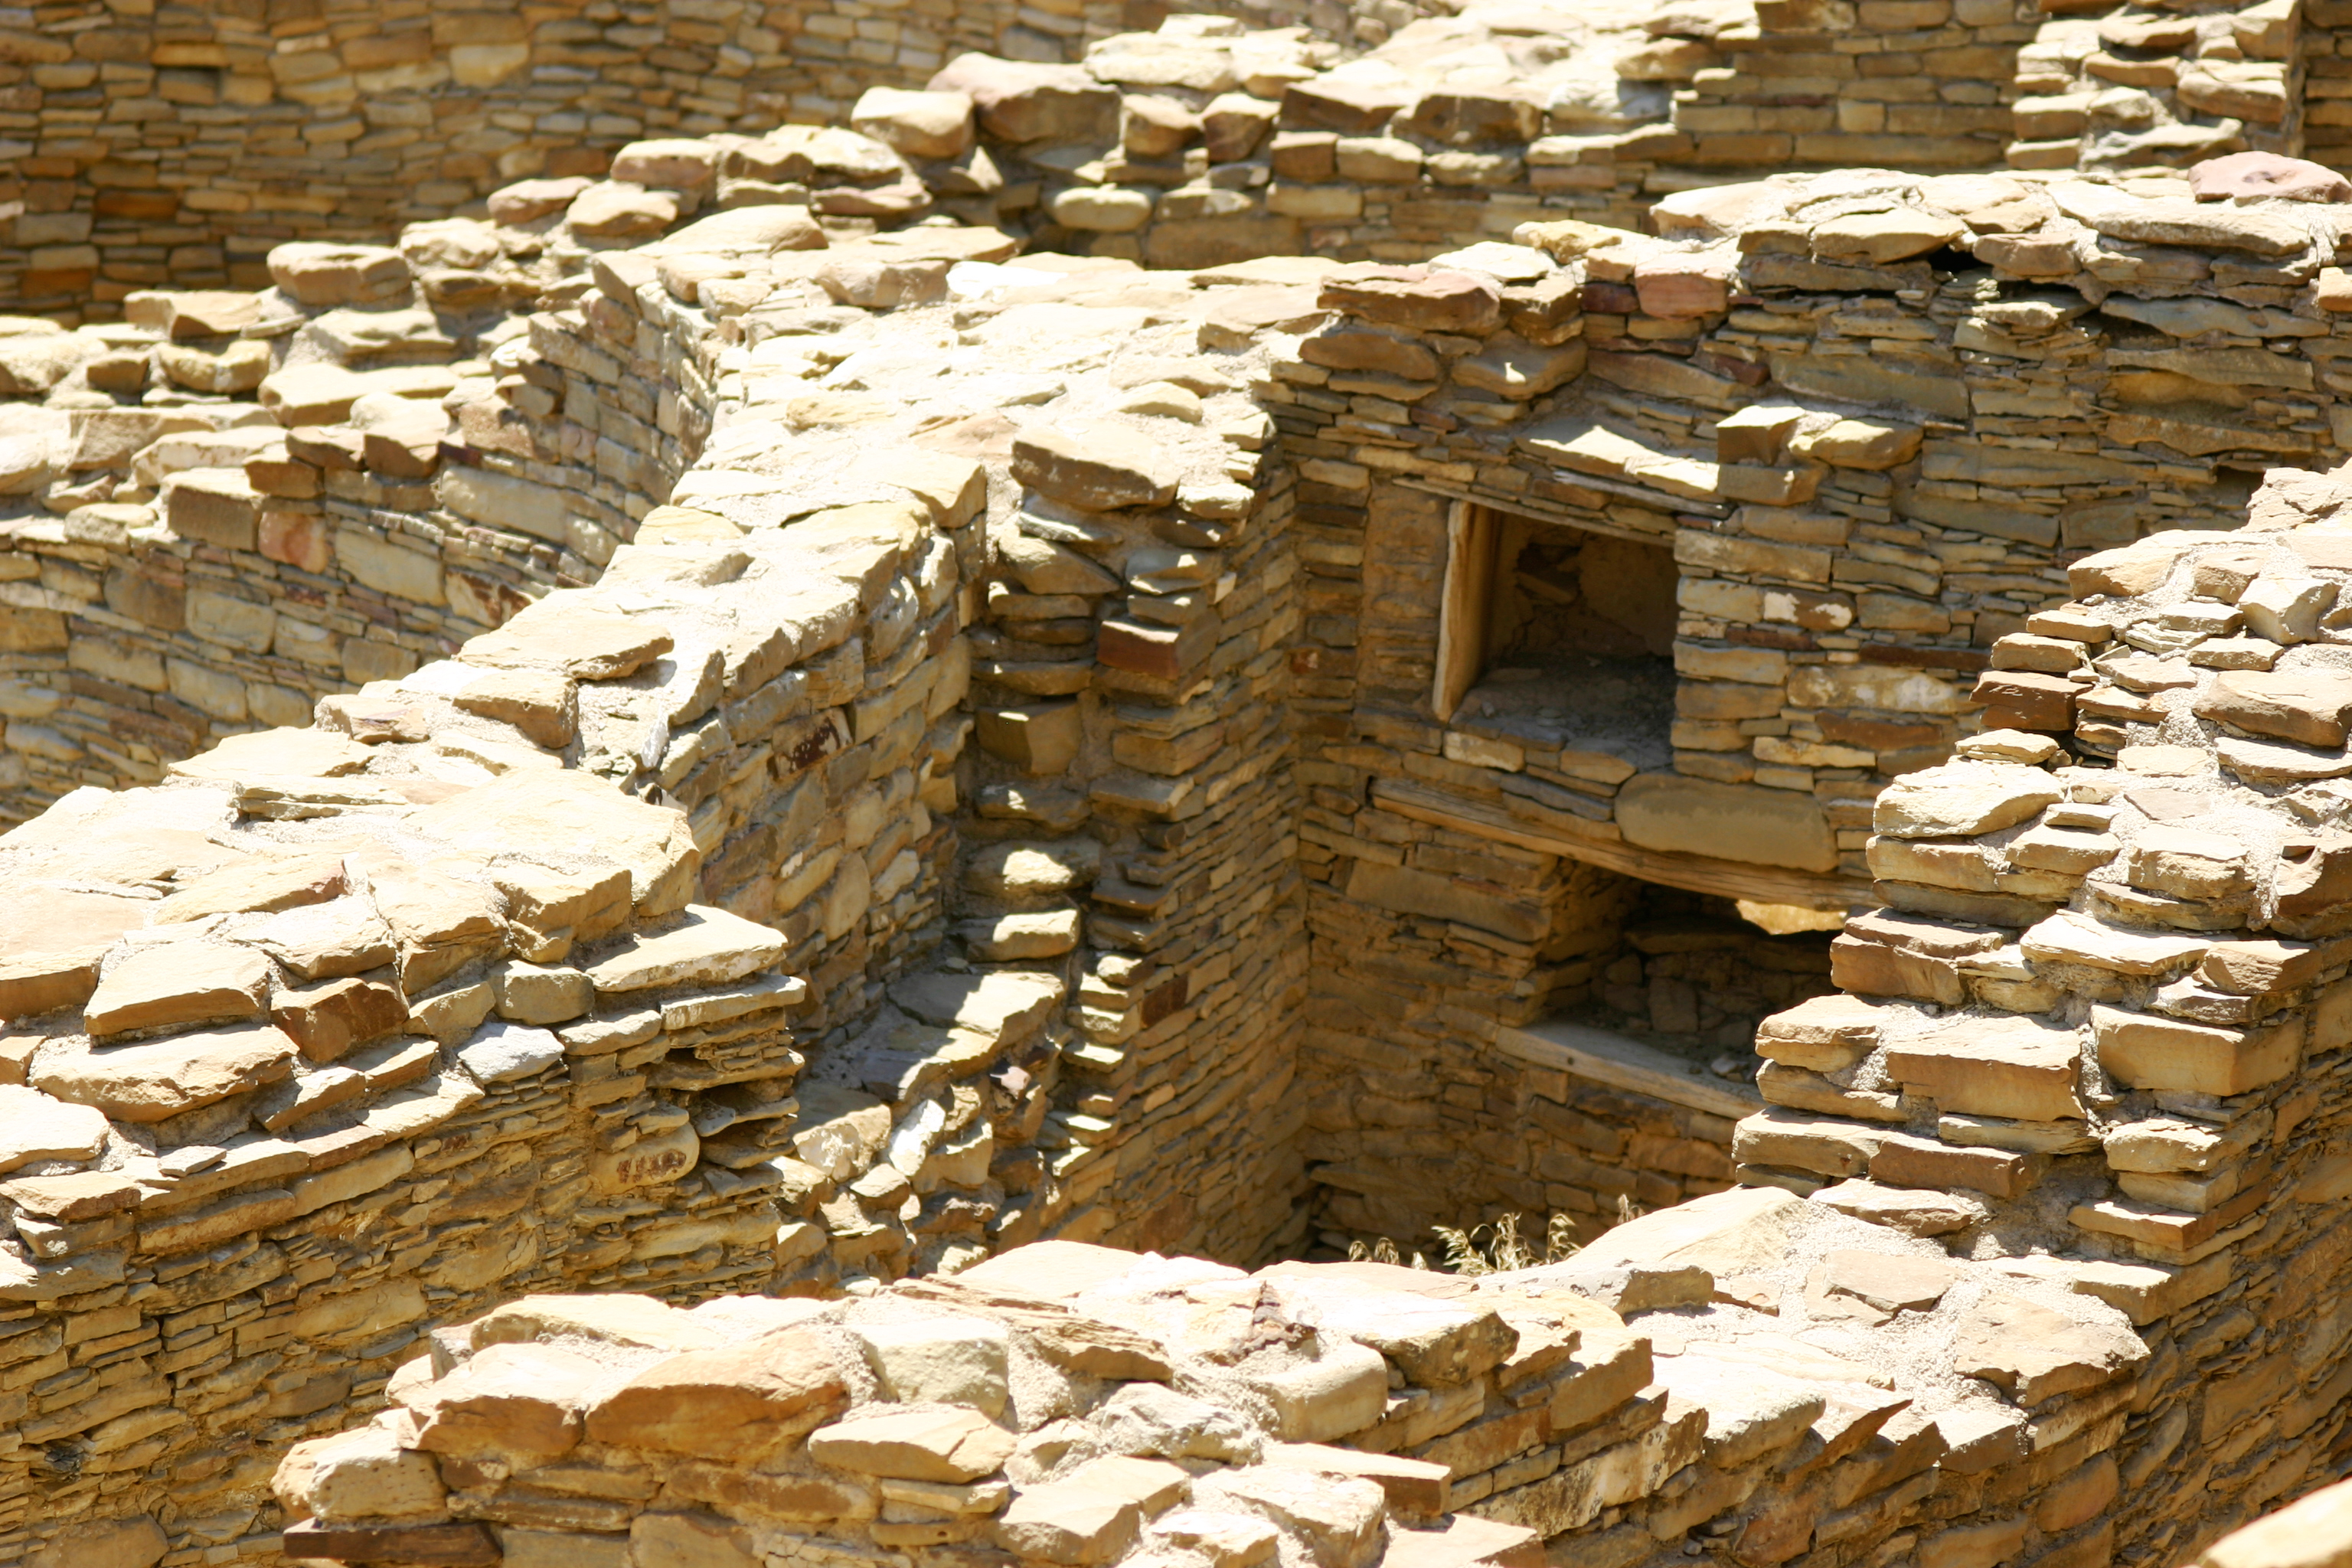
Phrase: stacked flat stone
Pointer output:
(1841, 575)
(1906, 84)
(816, 573)
(2109, 1000)
(249, 507)
(1072, 1405)
(2134, 87)
(1454, 127)
(348, 1026)
(344, 124)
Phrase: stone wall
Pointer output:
(1866, 463)
(179, 147)
(2306, 1531)
(2198, 996)
(856, 573)
(149, 147)
(1093, 686)
(1073, 1405)
(360, 1024)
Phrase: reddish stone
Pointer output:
(1682, 288)
(1416, 297)
(2022, 699)
(2267, 174)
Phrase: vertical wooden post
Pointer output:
(1467, 602)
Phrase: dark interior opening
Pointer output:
(1578, 642)
(1690, 974)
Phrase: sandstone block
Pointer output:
(2307, 706)
(1868, 444)
(515, 1402)
(942, 1360)
(2153, 1052)
(343, 936)
(150, 1081)
(318, 274)
(458, 1545)
(1913, 1211)
(161, 983)
(688, 1540)
(328, 1019)
(214, 506)
(1416, 297)
(265, 885)
(1318, 1399)
(1105, 209)
(619, 1318)
(1339, 1520)
(541, 703)
(916, 124)
(2187, 863)
(1093, 1514)
(364, 1474)
(610, 210)
(2036, 1353)
(1751, 825)
(527, 201)
(207, 313)
(707, 946)
(1963, 797)
(1516, 371)
(36, 1126)
(728, 1403)
(953, 1445)
(315, 394)
(2014, 1067)
(677, 163)
(1226, 1539)
(533, 993)
(1826, 1034)
(1046, 933)
(2249, 174)
(1043, 739)
(1022, 102)
(1095, 470)
(239, 367)
(2068, 937)
(587, 644)
(503, 1052)
(1877, 238)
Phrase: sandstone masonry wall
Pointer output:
(178, 145)
(1070, 1405)
(1429, 845)
(1121, 976)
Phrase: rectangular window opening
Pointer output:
(1557, 636)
